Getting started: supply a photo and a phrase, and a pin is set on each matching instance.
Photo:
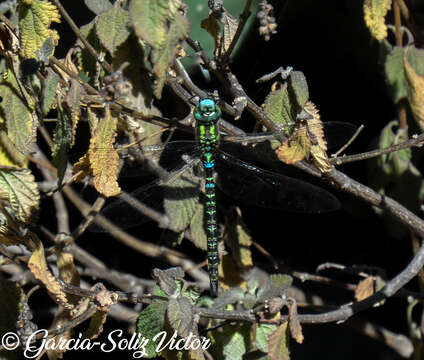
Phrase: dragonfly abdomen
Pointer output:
(208, 140)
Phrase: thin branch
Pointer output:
(77, 32)
(415, 141)
(143, 247)
(351, 140)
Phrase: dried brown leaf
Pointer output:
(278, 347)
(365, 288)
(294, 323)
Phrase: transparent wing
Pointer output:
(337, 133)
(146, 203)
(255, 186)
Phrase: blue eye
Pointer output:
(207, 104)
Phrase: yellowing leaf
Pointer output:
(112, 28)
(17, 111)
(83, 167)
(104, 157)
(279, 344)
(294, 149)
(67, 270)
(38, 266)
(20, 192)
(307, 141)
(35, 19)
(9, 155)
(374, 15)
(415, 90)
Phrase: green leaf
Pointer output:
(98, 6)
(112, 27)
(299, 86)
(149, 19)
(86, 62)
(165, 54)
(279, 344)
(150, 322)
(192, 293)
(62, 142)
(395, 163)
(228, 297)
(20, 192)
(394, 73)
(181, 198)
(280, 107)
(167, 279)
(232, 342)
(197, 228)
(16, 108)
(394, 69)
(262, 333)
(73, 98)
(275, 287)
(181, 316)
(49, 91)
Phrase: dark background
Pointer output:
(328, 41)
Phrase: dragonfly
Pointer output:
(241, 180)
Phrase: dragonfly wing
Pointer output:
(255, 186)
(146, 203)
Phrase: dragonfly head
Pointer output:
(207, 111)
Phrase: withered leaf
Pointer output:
(365, 288)
(279, 344)
(104, 159)
(294, 323)
(38, 266)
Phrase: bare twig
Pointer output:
(77, 32)
(351, 140)
(416, 141)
